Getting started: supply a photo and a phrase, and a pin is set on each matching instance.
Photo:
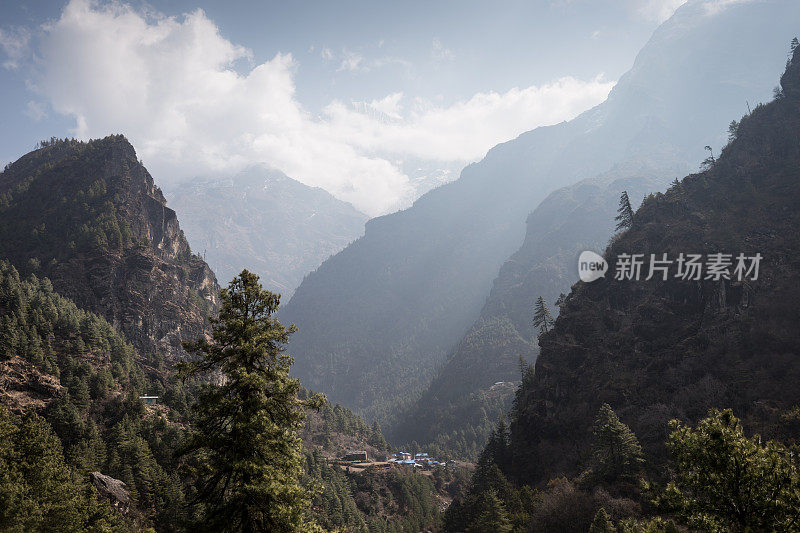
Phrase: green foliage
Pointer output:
(41, 216)
(39, 326)
(38, 490)
(624, 216)
(244, 442)
(602, 523)
(372, 500)
(616, 453)
(323, 425)
(492, 515)
(653, 525)
(488, 483)
(98, 417)
(333, 507)
(725, 481)
(396, 500)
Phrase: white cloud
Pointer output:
(169, 85)
(35, 110)
(466, 130)
(351, 62)
(14, 42)
(440, 53)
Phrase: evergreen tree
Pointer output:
(733, 130)
(602, 523)
(624, 216)
(616, 452)
(710, 161)
(542, 319)
(245, 446)
(376, 437)
(725, 481)
(38, 491)
(492, 515)
(795, 43)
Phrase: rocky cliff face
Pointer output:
(674, 348)
(89, 217)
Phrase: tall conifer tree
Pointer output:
(542, 319)
(624, 216)
(244, 444)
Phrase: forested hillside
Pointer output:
(88, 216)
(92, 404)
(71, 383)
(674, 347)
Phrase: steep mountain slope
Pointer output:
(660, 349)
(460, 408)
(88, 216)
(76, 371)
(266, 222)
(379, 317)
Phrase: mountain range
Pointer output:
(379, 319)
(262, 220)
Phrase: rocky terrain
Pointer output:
(90, 217)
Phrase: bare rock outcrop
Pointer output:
(111, 490)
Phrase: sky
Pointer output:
(373, 101)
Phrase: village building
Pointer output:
(357, 455)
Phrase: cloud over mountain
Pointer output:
(193, 102)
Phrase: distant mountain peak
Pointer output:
(265, 221)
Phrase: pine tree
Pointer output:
(602, 523)
(709, 161)
(245, 446)
(733, 130)
(624, 216)
(542, 319)
(376, 437)
(795, 43)
(730, 482)
(616, 452)
(492, 515)
(38, 490)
